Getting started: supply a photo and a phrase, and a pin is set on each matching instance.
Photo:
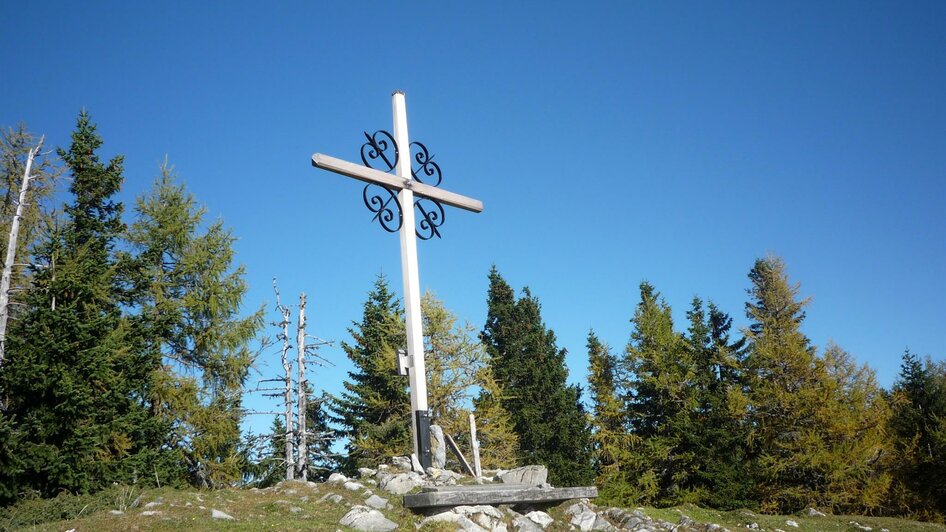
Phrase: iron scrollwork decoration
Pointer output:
(380, 152)
(382, 149)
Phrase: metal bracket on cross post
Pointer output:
(420, 418)
(422, 422)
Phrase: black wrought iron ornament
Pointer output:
(380, 152)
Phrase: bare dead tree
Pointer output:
(287, 370)
(11, 247)
(302, 390)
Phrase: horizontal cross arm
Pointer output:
(377, 177)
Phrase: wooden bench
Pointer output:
(493, 495)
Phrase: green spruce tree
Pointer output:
(660, 401)
(374, 410)
(918, 430)
(546, 411)
(716, 432)
(74, 390)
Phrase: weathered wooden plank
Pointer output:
(478, 487)
(370, 175)
(456, 450)
(497, 496)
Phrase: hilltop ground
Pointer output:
(312, 506)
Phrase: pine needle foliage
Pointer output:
(75, 391)
(374, 410)
(188, 294)
(918, 430)
(547, 413)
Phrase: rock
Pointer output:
(811, 512)
(152, 504)
(353, 486)
(116, 512)
(294, 509)
(488, 517)
(629, 520)
(364, 518)
(534, 475)
(753, 526)
(151, 512)
(602, 524)
(791, 523)
(401, 483)
(859, 526)
(378, 503)
(685, 520)
(365, 472)
(438, 447)
(217, 514)
(415, 464)
(332, 497)
(462, 522)
(524, 524)
(540, 518)
(337, 478)
(584, 520)
(401, 462)
(713, 527)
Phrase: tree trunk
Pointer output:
(302, 392)
(11, 249)
(287, 393)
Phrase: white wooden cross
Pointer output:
(407, 188)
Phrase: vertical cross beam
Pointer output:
(420, 417)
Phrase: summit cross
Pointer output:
(407, 183)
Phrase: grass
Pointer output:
(296, 506)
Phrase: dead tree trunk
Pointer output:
(11, 248)
(301, 391)
(287, 393)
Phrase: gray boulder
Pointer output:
(535, 475)
(217, 514)
(369, 519)
(524, 524)
(401, 462)
(540, 518)
(438, 447)
(461, 522)
(378, 503)
(401, 483)
(337, 478)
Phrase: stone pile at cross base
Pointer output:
(528, 483)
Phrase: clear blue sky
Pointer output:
(610, 142)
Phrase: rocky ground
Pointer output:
(372, 502)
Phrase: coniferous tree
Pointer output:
(659, 402)
(189, 297)
(782, 380)
(374, 410)
(716, 433)
(918, 430)
(815, 422)
(453, 358)
(547, 414)
(322, 460)
(499, 444)
(851, 437)
(75, 391)
(609, 436)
